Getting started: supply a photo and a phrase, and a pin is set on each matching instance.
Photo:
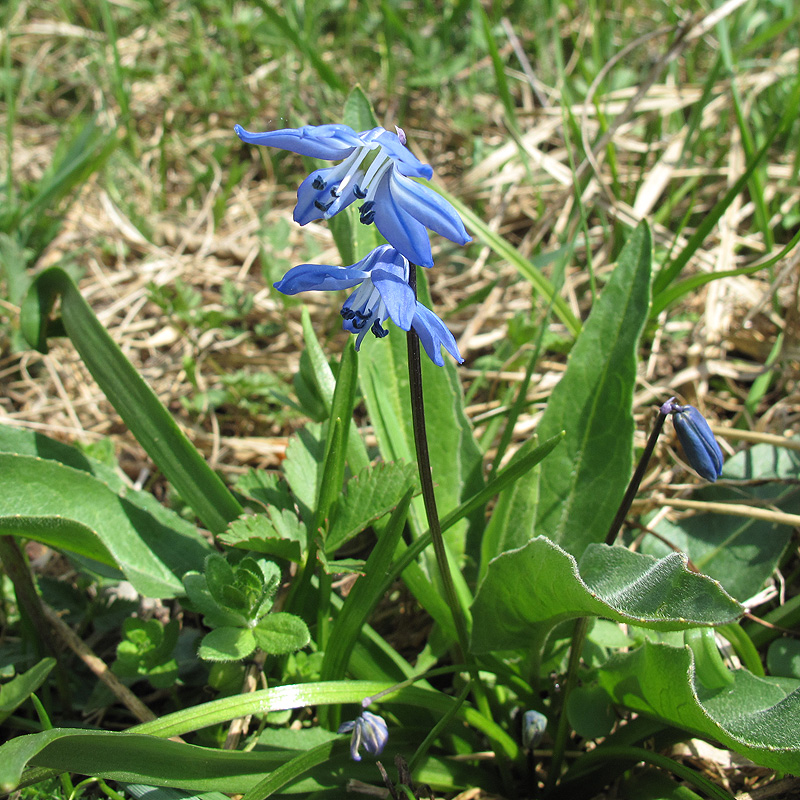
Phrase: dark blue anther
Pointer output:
(322, 206)
(378, 330)
(318, 183)
(359, 192)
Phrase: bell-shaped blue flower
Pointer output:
(369, 731)
(383, 293)
(376, 169)
(702, 451)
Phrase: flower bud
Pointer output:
(701, 448)
(369, 732)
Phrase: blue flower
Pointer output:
(702, 451)
(376, 169)
(384, 293)
(369, 731)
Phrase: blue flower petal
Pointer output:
(319, 278)
(399, 228)
(702, 451)
(397, 295)
(429, 208)
(404, 160)
(433, 333)
(331, 142)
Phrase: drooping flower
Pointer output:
(702, 451)
(384, 293)
(369, 731)
(376, 169)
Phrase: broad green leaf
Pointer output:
(581, 484)
(15, 692)
(514, 513)
(134, 400)
(740, 552)
(456, 460)
(149, 553)
(280, 633)
(219, 577)
(528, 591)
(19, 441)
(368, 496)
(227, 644)
(756, 717)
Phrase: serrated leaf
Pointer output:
(266, 488)
(582, 482)
(227, 644)
(281, 633)
(219, 576)
(276, 533)
(756, 717)
(528, 591)
(375, 491)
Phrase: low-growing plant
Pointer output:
(547, 629)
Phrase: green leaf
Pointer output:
(281, 633)
(590, 712)
(368, 496)
(219, 576)
(364, 596)
(135, 758)
(15, 692)
(783, 658)
(528, 591)
(227, 644)
(358, 112)
(582, 483)
(755, 717)
(514, 513)
(276, 533)
(740, 552)
(135, 401)
(73, 511)
(200, 600)
(19, 441)
(303, 466)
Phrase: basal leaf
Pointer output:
(528, 591)
(368, 496)
(755, 716)
(581, 484)
(740, 552)
(150, 554)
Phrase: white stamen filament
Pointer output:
(373, 181)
